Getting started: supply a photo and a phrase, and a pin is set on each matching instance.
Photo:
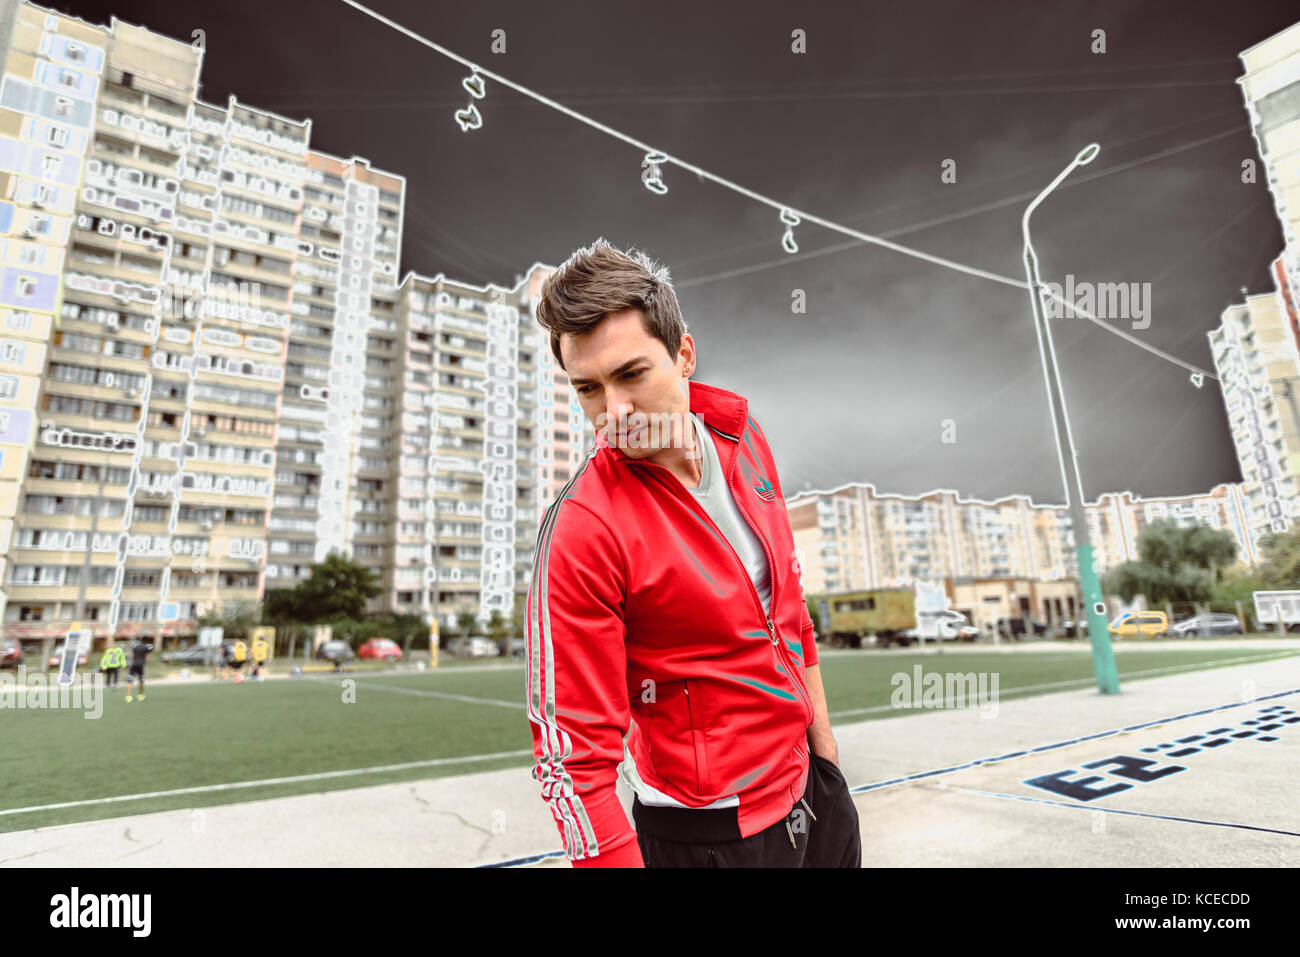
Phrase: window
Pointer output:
(31, 613)
(26, 287)
(63, 106)
(57, 136)
(69, 78)
(76, 52)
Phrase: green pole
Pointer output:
(1103, 658)
(1103, 655)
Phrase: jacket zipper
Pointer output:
(771, 628)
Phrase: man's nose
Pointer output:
(617, 409)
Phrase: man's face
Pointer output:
(628, 385)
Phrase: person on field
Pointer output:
(665, 605)
(261, 652)
(239, 655)
(111, 664)
(135, 675)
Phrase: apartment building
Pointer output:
(337, 438)
(1254, 350)
(856, 537)
(1270, 88)
(201, 332)
(564, 435)
(464, 490)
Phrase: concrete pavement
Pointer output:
(1232, 804)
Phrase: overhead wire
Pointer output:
(783, 208)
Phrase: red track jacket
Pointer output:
(640, 611)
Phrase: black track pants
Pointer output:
(829, 836)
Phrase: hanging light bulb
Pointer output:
(470, 118)
(650, 174)
(791, 221)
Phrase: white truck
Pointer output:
(946, 625)
(1270, 605)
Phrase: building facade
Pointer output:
(854, 537)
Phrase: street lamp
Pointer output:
(1103, 658)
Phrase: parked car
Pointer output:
(11, 654)
(191, 654)
(950, 625)
(517, 649)
(1141, 624)
(476, 646)
(1212, 623)
(1018, 627)
(336, 650)
(380, 649)
(56, 659)
(1069, 628)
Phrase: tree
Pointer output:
(1239, 583)
(498, 630)
(1177, 563)
(1129, 579)
(406, 627)
(236, 618)
(466, 622)
(282, 607)
(1280, 565)
(337, 588)
(814, 615)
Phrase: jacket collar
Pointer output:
(723, 411)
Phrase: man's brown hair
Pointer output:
(602, 279)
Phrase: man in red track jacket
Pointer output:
(665, 605)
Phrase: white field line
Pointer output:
(447, 695)
(1082, 682)
(236, 785)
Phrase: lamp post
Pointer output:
(1103, 658)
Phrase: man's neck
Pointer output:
(683, 462)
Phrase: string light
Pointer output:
(470, 118)
(652, 178)
(650, 173)
(791, 221)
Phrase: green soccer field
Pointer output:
(219, 743)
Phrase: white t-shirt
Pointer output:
(718, 501)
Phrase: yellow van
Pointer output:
(1141, 624)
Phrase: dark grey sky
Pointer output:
(855, 131)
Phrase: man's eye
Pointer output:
(633, 374)
(584, 390)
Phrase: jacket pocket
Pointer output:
(673, 738)
(703, 782)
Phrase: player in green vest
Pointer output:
(111, 663)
